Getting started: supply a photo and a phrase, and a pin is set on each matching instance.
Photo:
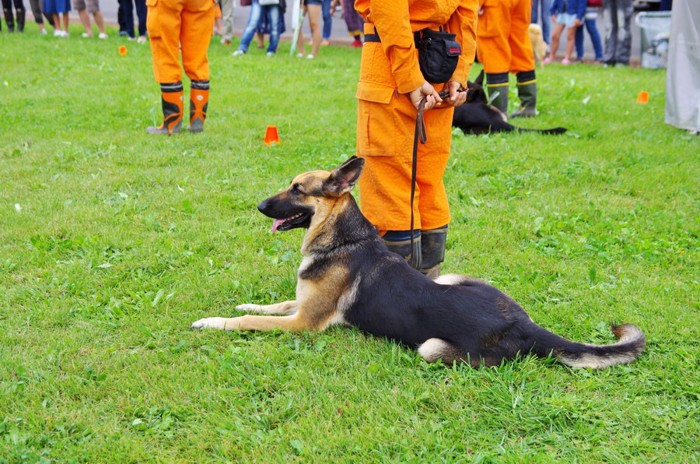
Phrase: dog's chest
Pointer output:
(324, 288)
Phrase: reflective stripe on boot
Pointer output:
(171, 100)
(433, 251)
(199, 102)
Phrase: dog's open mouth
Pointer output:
(298, 220)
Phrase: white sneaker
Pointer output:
(57, 33)
(300, 55)
(42, 31)
(238, 53)
(65, 34)
(310, 56)
(142, 39)
(270, 53)
(102, 36)
(85, 35)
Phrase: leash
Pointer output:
(418, 136)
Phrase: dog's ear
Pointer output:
(344, 177)
(476, 92)
(480, 79)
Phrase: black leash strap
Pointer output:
(418, 136)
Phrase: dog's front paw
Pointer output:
(249, 307)
(210, 323)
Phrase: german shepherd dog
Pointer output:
(476, 116)
(348, 277)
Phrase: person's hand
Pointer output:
(577, 22)
(456, 97)
(554, 19)
(426, 91)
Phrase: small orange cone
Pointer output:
(271, 135)
(643, 97)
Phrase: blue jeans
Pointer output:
(327, 19)
(590, 24)
(544, 6)
(256, 14)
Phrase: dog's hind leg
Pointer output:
(285, 308)
(436, 349)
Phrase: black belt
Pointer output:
(375, 37)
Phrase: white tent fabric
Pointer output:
(683, 72)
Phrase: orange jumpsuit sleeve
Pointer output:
(463, 24)
(391, 20)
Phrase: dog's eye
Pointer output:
(296, 190)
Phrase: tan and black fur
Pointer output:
(348, 277)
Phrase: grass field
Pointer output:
(112, 242)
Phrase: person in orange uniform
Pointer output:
(390, 89)
(503, 46)
(186, 25)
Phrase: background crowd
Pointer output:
(606, 23)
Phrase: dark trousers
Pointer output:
(618, 36)
(36, 11)
(128, 16)
(9, 17)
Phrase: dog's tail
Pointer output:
(553, 131)
(629, 345)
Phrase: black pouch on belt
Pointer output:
(438, 54)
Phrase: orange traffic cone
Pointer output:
(643, 97)
(271, 135)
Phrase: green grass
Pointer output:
(112, 242)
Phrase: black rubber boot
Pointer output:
(21, 16)
(402, 246)
(497, 85)
(433, 251)
(527, 92)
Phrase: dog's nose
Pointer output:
(264, 205)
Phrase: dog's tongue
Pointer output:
(276, 224)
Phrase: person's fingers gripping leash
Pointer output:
(427, 91)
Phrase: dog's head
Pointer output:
(476, 92)
(309, 195)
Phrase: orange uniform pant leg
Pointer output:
(172, 23)
(197, 24)
(522, 55)
(385, 140)
(503, 41)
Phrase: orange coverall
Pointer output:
(503, 39)
(386, 117)
(175, 23)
